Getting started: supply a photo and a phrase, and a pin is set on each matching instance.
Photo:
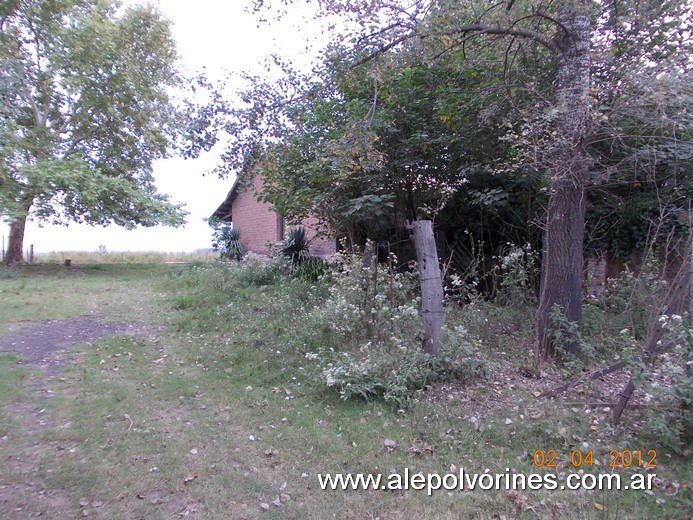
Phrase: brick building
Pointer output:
(259, 226)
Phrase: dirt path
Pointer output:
(44, 344)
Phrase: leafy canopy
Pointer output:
(85, 109)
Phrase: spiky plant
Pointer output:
(228, 242)
(296, 246)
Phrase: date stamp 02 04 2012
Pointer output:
(581, 459)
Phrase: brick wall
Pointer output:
(257, 224)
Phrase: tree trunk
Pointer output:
(431, 285)
(562, 260)
(15, 253)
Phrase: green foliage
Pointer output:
(469, 111)
(377, 371)
(256, 270)
(228, 360)
(567, 339)
(296, 248)
(518, 271)
(364, 164)
(643, 144)
(313, 269)
(85, 111)
(227, 241)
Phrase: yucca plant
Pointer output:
(296, 246)
(228, 242)
(234, 248)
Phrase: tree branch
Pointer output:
(465, 30)
(480, 28)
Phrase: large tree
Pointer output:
(85, 109)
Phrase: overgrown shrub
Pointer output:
(565, 333)
(364, 340)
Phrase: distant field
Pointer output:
(124, 257)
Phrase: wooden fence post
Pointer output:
(431, 285)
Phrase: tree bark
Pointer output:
(431, 285)
(562, 259)
(15, 253)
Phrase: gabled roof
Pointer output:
(223, 212)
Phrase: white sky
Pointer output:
(216, 34)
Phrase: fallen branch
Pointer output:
(599, 373)
(594, 375)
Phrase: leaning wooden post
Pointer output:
(431, 285)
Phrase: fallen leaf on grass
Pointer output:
(420, 449)
(270, 453)
(192, 508)
(599, 507)
(390, 445)
(518, 499)
(189, 477)
(264, 506)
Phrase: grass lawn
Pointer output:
(207, 409)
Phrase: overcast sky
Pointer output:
(213, 34)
